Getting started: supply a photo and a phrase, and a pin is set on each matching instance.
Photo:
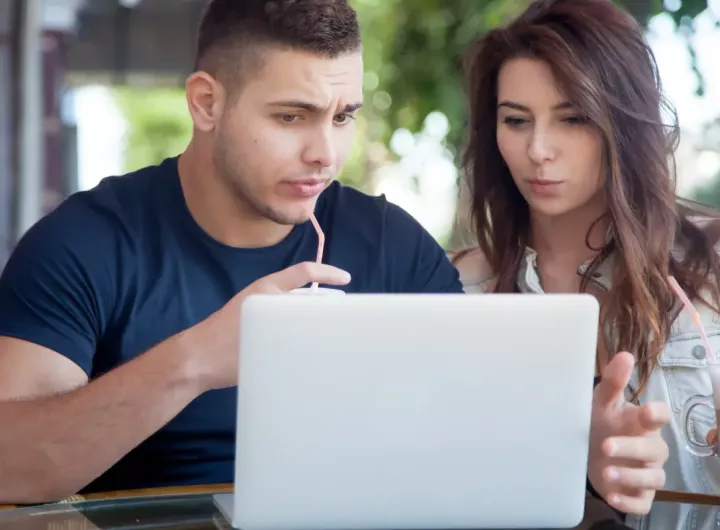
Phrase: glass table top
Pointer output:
(168, 511)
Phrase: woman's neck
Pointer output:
(564, 243)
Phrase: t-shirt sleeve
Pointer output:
(57, 288)
(417, 261)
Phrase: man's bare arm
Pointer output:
(53, 445)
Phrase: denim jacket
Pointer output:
(679, 375)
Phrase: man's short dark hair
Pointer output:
(233, 32)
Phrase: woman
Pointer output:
(568, 166)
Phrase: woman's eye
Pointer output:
(514, 121)
(576, 120)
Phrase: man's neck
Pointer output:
(218, 211)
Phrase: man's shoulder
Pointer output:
(117, 202)
(96, 223)
(126, 194)
(476, 274)
(349, 201)
(361, 209)
(71, 273)
(405, 256)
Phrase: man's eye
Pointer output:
(342, 119)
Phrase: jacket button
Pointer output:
(698, 352)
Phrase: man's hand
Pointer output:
(213, 343)
(627, 453)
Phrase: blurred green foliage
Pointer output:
(413, 59)
(158, 124)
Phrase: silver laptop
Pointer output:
(398, 412)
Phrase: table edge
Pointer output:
(196, 489)
(209, 489)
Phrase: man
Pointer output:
(118, 311)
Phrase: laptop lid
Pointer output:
(393, 411)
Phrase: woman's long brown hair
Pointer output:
(599, 57)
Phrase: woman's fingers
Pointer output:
(639, 505)
(641, 478)
(647, 449)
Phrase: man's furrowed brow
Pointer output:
(296, 104)
(311, 107)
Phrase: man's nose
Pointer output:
(321, 149)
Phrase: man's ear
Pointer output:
(206, 100)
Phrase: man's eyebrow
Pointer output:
(310, 107)
(295, 104)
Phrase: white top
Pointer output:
(682, 373)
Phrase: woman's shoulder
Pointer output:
(476, 274)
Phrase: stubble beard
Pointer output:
(234, 179)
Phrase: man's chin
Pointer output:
(292, 221)
(289, 218)
(297, 213)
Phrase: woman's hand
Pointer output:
(627, 452)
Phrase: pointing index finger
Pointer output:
(615, 378)
(645, 419)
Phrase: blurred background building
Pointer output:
(91, 88)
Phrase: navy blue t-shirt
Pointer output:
(117, 269)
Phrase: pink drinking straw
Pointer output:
(695, 315)
(321, 245)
